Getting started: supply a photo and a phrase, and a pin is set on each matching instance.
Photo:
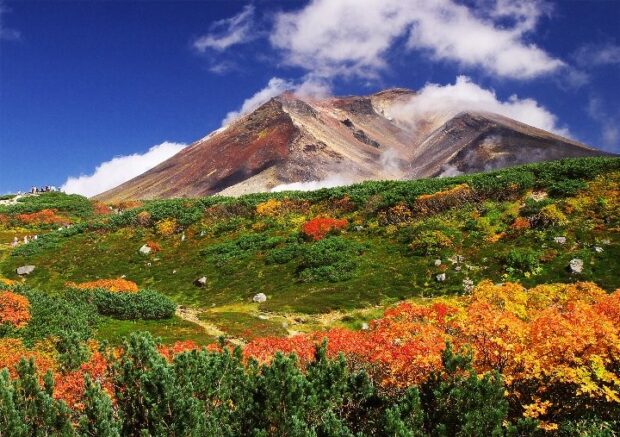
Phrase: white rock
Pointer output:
(559, 240)
(200, 282)
(364, 326)
(598, 249)
(183, 237)
(437, 262)
(25, 270)
(441, 277)
(145, 250)
(575, 265)
(259, 298)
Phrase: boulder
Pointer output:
(598, 249)
(201, 282)
(260, 298)
(441, 277)
(25, 270)
(437, 262)
(364, 326)
(145, 249)
(575, 265)
(559, 240)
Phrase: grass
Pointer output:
(169, 331)
(243, 325)
(235, 258)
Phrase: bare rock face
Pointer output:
(294, 139)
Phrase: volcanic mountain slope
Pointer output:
(291, 140)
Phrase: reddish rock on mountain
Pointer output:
(292, 140)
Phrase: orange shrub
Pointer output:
(319, 227)
(12, 350)
(43, 217)
(520, 223)
(14, 309)
(119, 285)
(154, 246)
(101, 208)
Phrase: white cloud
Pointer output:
(610, 130)
(596, 55)
(275, 87)
(120, 169)
(5, 32)
(311, 87)
(342, 37)
(228, 32)
(445, 101)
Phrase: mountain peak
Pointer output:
(295, 139)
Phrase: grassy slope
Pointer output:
(386, 271)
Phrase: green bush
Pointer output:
(522, 261)
(285, 254)
(145, 304)
(566, 188)
(430, 242)
(219, 393)
(66, 314)
(243, 246)
(331, 259)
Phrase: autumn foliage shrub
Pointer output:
(116, 285)
(443, 200)
(317, 228)
(43, 217)
(166, 227)
(14, 309)
(143, 218)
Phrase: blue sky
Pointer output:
(83, 82)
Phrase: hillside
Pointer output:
(495, 226)
(293, 139)
(498, 292)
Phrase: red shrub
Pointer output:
(319, 227)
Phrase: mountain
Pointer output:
(291, 140)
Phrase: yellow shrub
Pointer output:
(269, 208)
(166, 227)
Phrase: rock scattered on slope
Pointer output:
(260, 298)
(441, 277)
(145, 249)
(575, 265)
(201, 282)
(25, 270)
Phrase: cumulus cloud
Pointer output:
(310, 87)
(5, 32)
(445, 101)
(596, 55)
(229, 32)
(275, 87)
(339, 37)
(120, 169)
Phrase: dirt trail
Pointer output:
(191, 315)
